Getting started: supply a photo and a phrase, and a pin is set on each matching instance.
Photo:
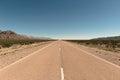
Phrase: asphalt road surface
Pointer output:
(61, 60)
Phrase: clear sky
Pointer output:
(73, 19)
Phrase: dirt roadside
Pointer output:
(16, 52)
(113, 57)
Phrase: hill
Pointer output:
(9, 38)
(11, 35)
(108, 38)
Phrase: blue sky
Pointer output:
(69, 19)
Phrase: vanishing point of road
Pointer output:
(61, 60)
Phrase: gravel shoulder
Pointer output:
(113, 57)
(16, 52)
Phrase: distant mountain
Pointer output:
(44, 38)
(12, 35)
(108, 38)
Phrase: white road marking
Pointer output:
(96, 57)
(59, 49)
(62, 74)
(27, 56)
(100, 58)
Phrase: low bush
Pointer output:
(110, 44)
(10, 42)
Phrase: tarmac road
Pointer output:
(61, 60)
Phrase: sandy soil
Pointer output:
(113, 57)
(16, 52)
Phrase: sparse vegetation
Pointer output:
(111, 45)
(10, 42)
(9, 38)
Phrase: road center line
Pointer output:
(59, 49)
(62, 74)
(61, 69)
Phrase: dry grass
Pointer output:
(16, 47)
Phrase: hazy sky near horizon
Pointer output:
(73, 19)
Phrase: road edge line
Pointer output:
(89, 53)
(26, 56)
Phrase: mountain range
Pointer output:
(108, 38)
(12, 35)
(9, 34)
